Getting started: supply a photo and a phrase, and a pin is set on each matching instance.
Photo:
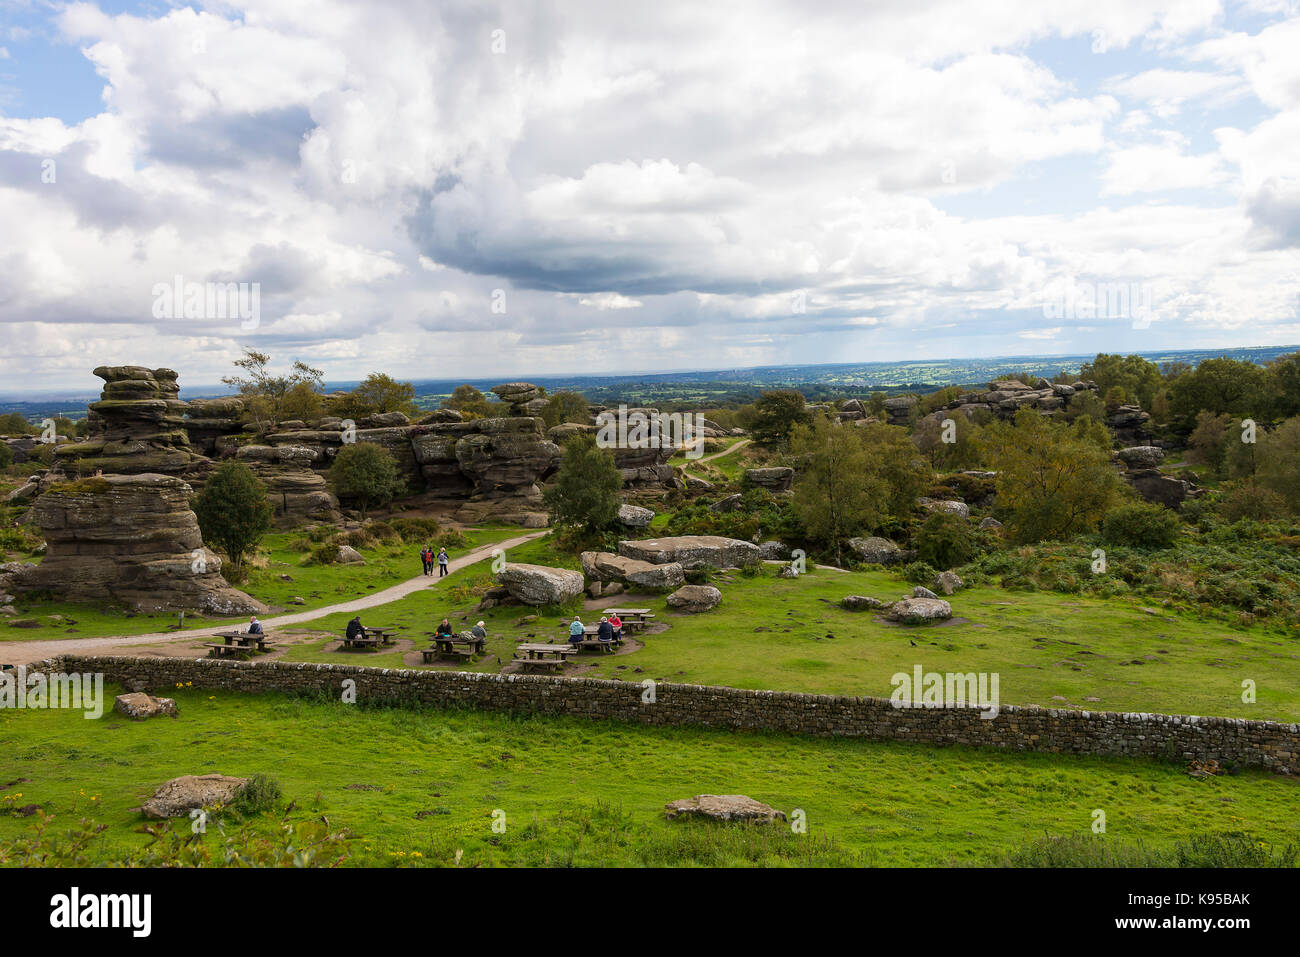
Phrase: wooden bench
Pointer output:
(595, 644)
(530, 665)
(219, 650)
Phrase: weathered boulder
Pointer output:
(724, 807)
(138, 706)
(773, 551)
(606, 567)
(179, 796)
(915, 611)
(860, 603)
(875, 551)
(1142, 456)
(693, 551)
(1160, 489)
(772, 479)
(133, 539)
(948, 582)
(728, 504)
(920, 591)
(948, 507)
(634, 516)
(349, 556)
(990, 522)
(695, 598)
(539, 584)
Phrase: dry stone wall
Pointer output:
(1267, 744)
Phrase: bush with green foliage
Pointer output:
(775, 416)
(366, 474)
(945, 541)
(260, 794)
(1141, 525)
(233, 512)
(585, 492)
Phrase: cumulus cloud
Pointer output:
(573, 186)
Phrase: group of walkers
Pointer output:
(609, 629)
(428, 558)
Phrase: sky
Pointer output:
(448, 189)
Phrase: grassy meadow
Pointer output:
(420, 788)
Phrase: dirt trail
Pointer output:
(19, 652)
(717, 455)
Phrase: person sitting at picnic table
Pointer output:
(616, 623)
(577, 630)
(605, 631)
(356, 629)
(442, 562)
(444, 629)
(254, 626)
(479, 631)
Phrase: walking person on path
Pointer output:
(426, 556)
(442, 562)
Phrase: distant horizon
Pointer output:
(708, 374)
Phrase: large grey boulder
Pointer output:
(1142, 456)
(773, 551)
(539, 584)
(608, 567)
(724, 807)
(695, 598)
(349, 556)
(693, 551)
(875, 551)
(634, 516)
(773, 479)
(179, 796)
(947, 507)
(918, 611)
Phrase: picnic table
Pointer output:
(387, 634)
(591, 643)
(449, 646)
(631, 617)
(235, 643)
(539, 657)
(371, 637)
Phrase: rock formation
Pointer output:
(137, 426)
(539, 584)
(131, 539)
(693, 551)
(608, 567)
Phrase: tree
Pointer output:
(1208, 444)
(1233, 386)
(1278, 463)
(838, 491)
(233, 511)
(1283, 386)
(1051, 483)
(565, 407)
(898, 464)
(776, 414)
(949, 447)
(367, 474)
(13, 423)
(264, 394)
(469, 402)
(1137, 379)
(585, 490)
(377, 393)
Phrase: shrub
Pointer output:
(260, 794)
(945, 541)
(359, 538)
(367, 474)
(384, 532)
(1247, 500)
(452, 538)
(919, 573)
(326, 553)
(1141, 525)
(415, 530)
(233, 512)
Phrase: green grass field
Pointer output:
(416, 787)
(769, 633)
(387, 564)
